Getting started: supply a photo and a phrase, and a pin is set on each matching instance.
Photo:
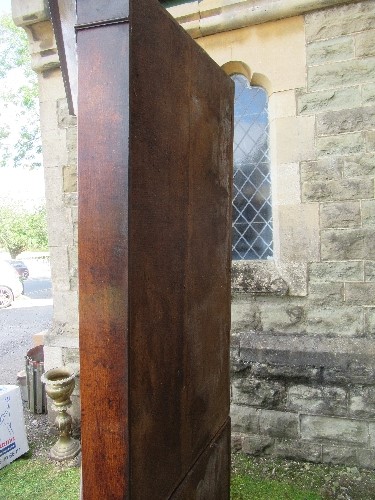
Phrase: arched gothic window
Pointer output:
(252, 208)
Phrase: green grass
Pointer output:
(251, 480)
(33, 479)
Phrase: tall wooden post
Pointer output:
(154, 161)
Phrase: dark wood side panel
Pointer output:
(103, 134)
(209, 477)
(179, 254)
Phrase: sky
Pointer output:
(20, 186)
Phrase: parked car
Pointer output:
(11, 285)
(21, 268)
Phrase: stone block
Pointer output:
(335, 215)
(247, 390)
(360, 293)
(297, 450)
(343, 144)
(245, 316)
(286, 318)
(257, 445)
(333, 49)
(369, 270)
(333, 99)
(282, 104)
(299, 236)
(334, 430)
(293, 139)
(336, 190)
(244, 419)
(59, 268)
(370, 141)
(340, 20)
(366, 458)
(66, 308)
(337, 455)
(343, 73)
(340, 122)
(352, 373)
(334, 321)
(359, 165)
(278, 424)
(326, 294)
(343, 244)
(362, 402)
(370, 321)
(317, 400)
(69, 178)
(53, 357)
(286, 185)
(335, 271)
(372, 434)
(289, 373)
(368, 93)
(365, 43)
(323, 169)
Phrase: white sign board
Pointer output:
(13, 440)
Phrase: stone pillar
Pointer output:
(59, 159)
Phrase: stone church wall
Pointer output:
(303, 324)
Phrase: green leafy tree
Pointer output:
(21, 230)
(20, 141)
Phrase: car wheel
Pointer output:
(6, 296)
(25, 275)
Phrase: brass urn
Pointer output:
(59, 387)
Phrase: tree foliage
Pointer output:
(21, 230)
(20, 141)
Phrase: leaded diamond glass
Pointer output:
(252, 236)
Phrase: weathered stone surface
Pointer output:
(69, 179)
(317, 400)
(341, 73)
(297, 450)
(372, 434)
(248, 390)
(278, 424)
(256, 445)
(336, 271)
(365, 43)
(352, 373)
(326, 294)
(288, 317)
(360, 165)
(244, 419)
(360, 293)
(344, 144)
(333, 49)
(336, 190)
(366, 458)
(257, 277)
(316, 102)
(370, 141)
(340, 20)
(340, 321)
(299, 238)
(347, 214)
(339, 455)
(245, 316)
(334, 430)
(368, 93)
(287, 372)
(369, 270)
(343, 244)
(323, 169)
(353, 120)
(370, 321)
(362, 402)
